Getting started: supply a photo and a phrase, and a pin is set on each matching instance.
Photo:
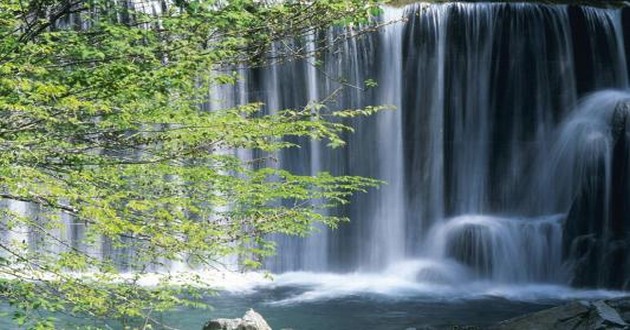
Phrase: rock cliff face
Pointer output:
(604, 314)
(250, 321)
(597, 229)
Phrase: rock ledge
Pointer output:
(602, 314)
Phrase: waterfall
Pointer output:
(472, 159)
(315, 249)
(390, 199)
(502, 249)
(502, 155)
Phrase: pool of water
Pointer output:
(308, 307)
(304, 301)
(361, 312)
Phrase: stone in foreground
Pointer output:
(603, 314)
(250, 321)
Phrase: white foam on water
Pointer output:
(392, 289)
(418, 280)
(227, 281)
(405, 280)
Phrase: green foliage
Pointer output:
(101, 124)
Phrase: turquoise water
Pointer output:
(309, 306)
(362, 312)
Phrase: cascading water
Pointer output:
(494, 168)
(503, 249)
(480, 170)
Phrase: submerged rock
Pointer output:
(250, 321)
(603, 314)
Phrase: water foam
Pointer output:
(400, 282)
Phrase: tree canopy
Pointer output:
(102, 126)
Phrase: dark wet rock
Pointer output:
(469, 245)
(608, 315)
(622, 306)
(620, 119)
(250, 321)
(603, 314)
(597, 230)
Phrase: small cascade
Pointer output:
(504, 250)
(584, 142)
(591, 170)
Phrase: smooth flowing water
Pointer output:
(480, 158)
(505, 152)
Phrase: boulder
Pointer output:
(250, 321)
(468, 244)
(603, 314)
